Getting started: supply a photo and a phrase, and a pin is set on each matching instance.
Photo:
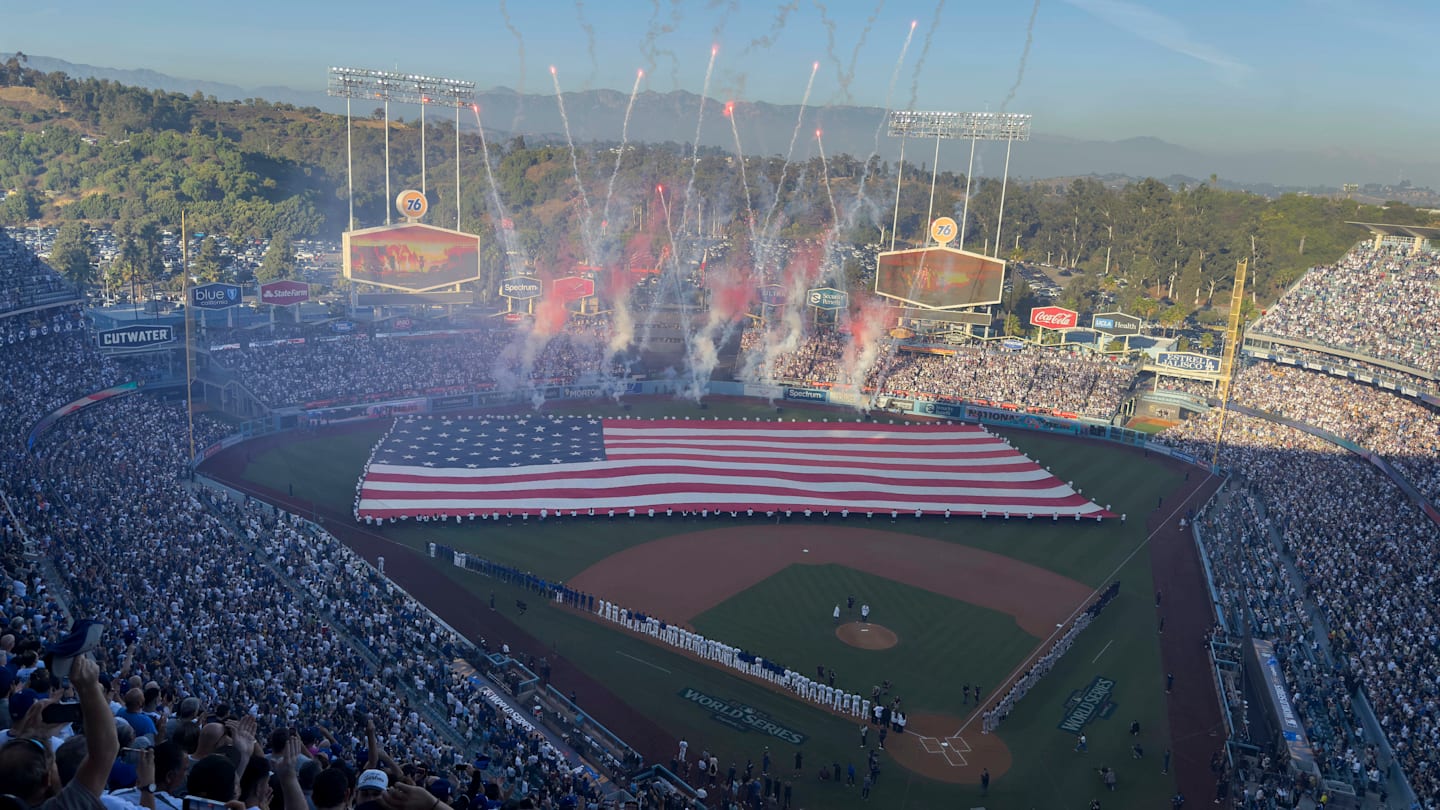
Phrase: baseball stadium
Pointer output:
(625, 492)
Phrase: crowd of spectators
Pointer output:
(361, 367)
(26, 280)
(224, 610)
(1378, 302)
(1053, 379)
(1403, 431)
(1363, 556)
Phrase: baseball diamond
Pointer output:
(1014, 579)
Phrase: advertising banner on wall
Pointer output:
(1054, 317)
(284, 293)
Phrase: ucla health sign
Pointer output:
(215, 296)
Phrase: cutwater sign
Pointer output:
(827, 298)
(135, 337)
(1189, 361)
(215, 296)
(521, 287)
(1087, 704)
(741, 717)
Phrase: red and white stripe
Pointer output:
(735, 466)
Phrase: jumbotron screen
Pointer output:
(939, 278)
(411, 257)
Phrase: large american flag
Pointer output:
(484, 465)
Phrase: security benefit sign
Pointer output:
(1088, 704)
(741, 717)
(827, 298)
(138, 336)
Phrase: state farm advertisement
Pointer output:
(1054, 317)
(284, 293)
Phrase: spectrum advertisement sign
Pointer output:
(284, 293)
(521, 287)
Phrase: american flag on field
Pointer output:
(483, 465)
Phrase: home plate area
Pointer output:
(953, 749)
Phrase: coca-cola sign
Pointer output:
(1054, 317)
(284, 293)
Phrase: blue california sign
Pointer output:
(215, 296)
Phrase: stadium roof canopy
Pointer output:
(1417, 231)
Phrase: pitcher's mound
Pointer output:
(866, 636)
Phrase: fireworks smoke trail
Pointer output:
(1024, 56)
(790, 152)
(924, 52)
(585, 234)
(695, 148)
(880, 127)
(781, 15)
(624, 139)
(825, 173)
(589, 29)
(829, 26)
(520, 46)
(507, 235)
(653, 33)
(744, 180)
(855, 54)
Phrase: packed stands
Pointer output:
(1403, 431)
(1053, 379)
(27, 282)
(229, 604)
(1363, 554)
(1378, 302)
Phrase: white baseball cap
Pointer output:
(373, 779)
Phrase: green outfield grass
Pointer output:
(940, 638)
(943, 643)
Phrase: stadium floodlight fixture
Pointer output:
(976, 126)
(404, 88)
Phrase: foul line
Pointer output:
(1102, 651)
(1045, 644)
(643, 661)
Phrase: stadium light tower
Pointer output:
(403, 88)
(977, 126)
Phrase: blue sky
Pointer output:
(1343, 76)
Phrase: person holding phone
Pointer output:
(27, 766)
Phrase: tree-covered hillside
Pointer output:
(107, 154)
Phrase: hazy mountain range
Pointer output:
(767, 129)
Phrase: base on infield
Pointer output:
(928, 747)
(867, 636)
